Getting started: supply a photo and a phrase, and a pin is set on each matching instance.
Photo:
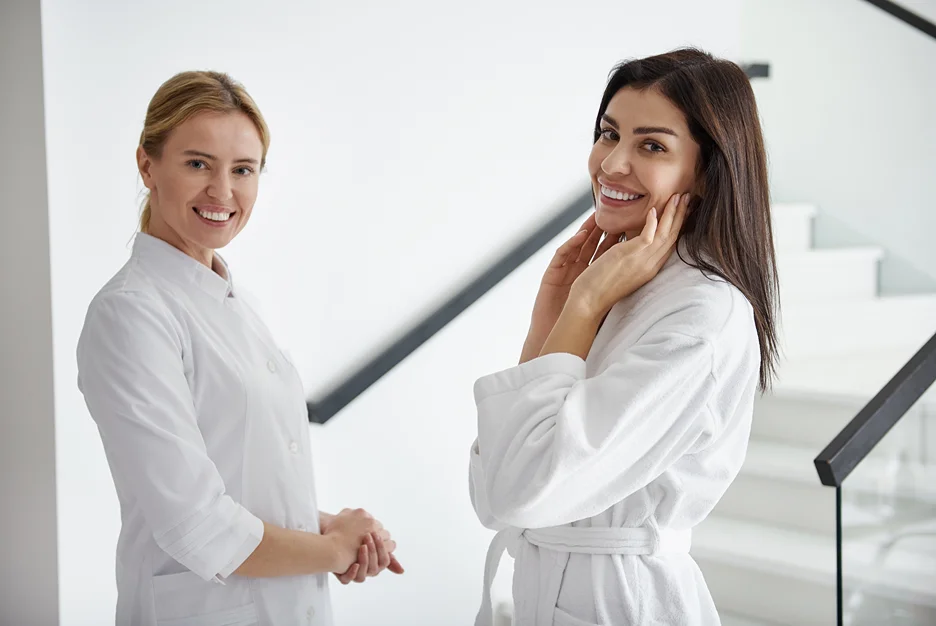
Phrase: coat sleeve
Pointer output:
(131, 373)
(555, 447)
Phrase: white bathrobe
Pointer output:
(594, 472)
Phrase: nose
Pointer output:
(617, 162)
(220, 187)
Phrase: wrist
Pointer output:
(585, 308)
(329, 550)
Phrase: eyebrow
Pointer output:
(212, 157)
(642, 130)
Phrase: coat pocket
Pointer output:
(561, 618)
(186, 600)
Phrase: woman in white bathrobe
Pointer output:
(629, 413)
(202, 416)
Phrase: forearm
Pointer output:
(574, 332)
(284, 552)
(533, 344)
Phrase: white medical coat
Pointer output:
(204, 424)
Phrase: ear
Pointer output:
(144, 164)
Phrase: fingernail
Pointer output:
(653, 212)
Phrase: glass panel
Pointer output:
(888, 527)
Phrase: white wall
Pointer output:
(28, 555)
(413, 142)
(848, 118)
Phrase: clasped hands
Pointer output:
(363, 546)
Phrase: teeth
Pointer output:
(215, 217)
(618, 195)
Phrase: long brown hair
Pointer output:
(729, 222)
(185, 95)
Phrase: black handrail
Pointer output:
(874, 421)
(905, 15)
(320, 411)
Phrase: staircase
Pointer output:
(768, 551)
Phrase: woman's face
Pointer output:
(204, 185)
(645, 155)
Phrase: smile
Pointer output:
(214, 216)
(619, 195)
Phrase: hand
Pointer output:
(374, 551)
(570, 260)
(624, 267)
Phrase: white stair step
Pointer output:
(858, 373)
(836, 327)
(792, 225)
(845, 273)
(778, 485)
(813, 419)
(805, 419)
(756, 569)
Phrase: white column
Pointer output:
(28, 536)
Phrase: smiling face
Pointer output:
(204, 183)
(644, 155)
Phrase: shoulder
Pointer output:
(697, 303)
(130, 299)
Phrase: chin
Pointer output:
(613, 223)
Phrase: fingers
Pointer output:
(664, 228)
(383, 552)
(395, 566)
(572, 248)
(349, 575)
(372, 562)
(650, 227)
(568, 250)
(667, 220)
(587, 251)
(667, 232)
(363, 562)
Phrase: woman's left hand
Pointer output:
(622, 268)
(374, 556)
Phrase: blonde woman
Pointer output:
(202, 416)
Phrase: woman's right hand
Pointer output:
(362, 546)
(571, 259)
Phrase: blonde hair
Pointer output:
(185, 95)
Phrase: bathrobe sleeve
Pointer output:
(554, 446)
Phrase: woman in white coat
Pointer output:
(202, 416)
(630, 411)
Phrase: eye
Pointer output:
(609, 134)
(244, 171)
(197, 164)
(652, 146)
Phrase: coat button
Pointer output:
(271, 365)
(294, 447)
